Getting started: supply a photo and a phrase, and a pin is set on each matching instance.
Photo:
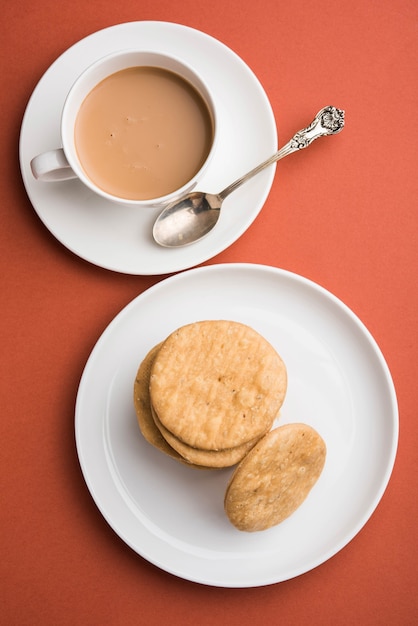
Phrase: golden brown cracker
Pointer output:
(143, 408)
(276, 476)
(217, 384)
(208, 458)
(142, 400)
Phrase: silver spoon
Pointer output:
(192, 217)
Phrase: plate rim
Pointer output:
(306, 282)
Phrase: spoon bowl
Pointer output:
(194, 216)
(188, 219)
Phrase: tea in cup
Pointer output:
(137, 127)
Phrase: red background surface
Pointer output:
(344, 215)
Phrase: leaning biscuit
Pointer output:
(217, 384)
(143, 409)
(142, 401)
(276, 476)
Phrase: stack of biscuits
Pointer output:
(208, 396)
(210, 391)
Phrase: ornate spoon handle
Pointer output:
(328, 121)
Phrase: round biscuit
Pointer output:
(143, 409)
(208, 458)
(276, 476)
(217, 384)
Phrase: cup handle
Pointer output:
(52, 166)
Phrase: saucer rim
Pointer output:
(161, 261)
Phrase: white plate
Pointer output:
(338, 382)
(117, 237)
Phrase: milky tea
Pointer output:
(142, 133)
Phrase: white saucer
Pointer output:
(338, 382)
(117, 237)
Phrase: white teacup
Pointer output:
(66, 163)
